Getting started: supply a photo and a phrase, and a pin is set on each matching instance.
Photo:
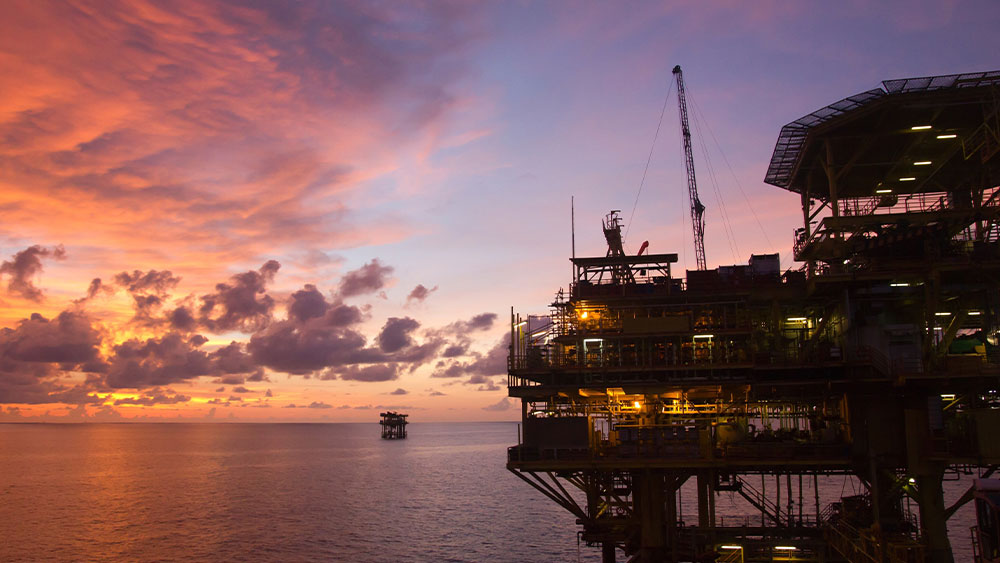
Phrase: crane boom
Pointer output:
(697, 209)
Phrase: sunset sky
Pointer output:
(314, 211)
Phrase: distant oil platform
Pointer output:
(393, 425)
(878, 358)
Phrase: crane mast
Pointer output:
(697, 209)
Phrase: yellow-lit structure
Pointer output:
(877, 358)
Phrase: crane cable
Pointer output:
(737, 180)
(649, 158)
(727, 225)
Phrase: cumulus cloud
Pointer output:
(22, 268)
(482, 321)
(400, 391)
(173, 358)
(367, 279)
(154, 397)
(455, 350)
(307, 303)
(420, 293)
(395, 334)
(95, 288)
(68, 338)
(320, 337)
(235, 364)
(152, 282)
(149, 290)
(33, 353)
(304, 343)
(242, 303)
(504, 404)
(376, 372)
(478, 323)
(181, 319)
(297, 347)
(157, 361)
(492, 363)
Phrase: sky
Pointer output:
(317, 211)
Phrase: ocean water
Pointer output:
(288, 492)
(271, 492)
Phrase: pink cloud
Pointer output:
(217, 129)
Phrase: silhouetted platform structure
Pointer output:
(878, 358)
(393, 425)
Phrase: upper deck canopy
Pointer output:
(872, 141)
(643, 260)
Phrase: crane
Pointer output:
(697, 209)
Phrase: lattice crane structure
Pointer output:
(697, 209)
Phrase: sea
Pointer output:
(294, 492)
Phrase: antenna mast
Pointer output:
(697, 209)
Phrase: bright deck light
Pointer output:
(899, 284)
(785, 547)
(730, 547)
(704, 335)
(883, 191)
(948, 136)
(921, 163)
(974, 313)
(796, 319)
(584, 315)
(637, 405)
(907, 179)
(948, 396)
(920, 127)
(942, 314)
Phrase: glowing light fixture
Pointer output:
(591, 340)
(883, 191)
(637, 405)
(942, 314)
(948, 396)
(907, 179)
(920, 127)
(730, 547)
(520, 324)
(584, 315)
(922, 163)
(785, 548)
(913, 481)
(796, 319)
(949, 136)
(704, 335)
(899, 284)
(974, 313)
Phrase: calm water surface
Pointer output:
(291, 492)
(271, 492)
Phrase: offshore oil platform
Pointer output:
(393, 425)
(878, 358)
